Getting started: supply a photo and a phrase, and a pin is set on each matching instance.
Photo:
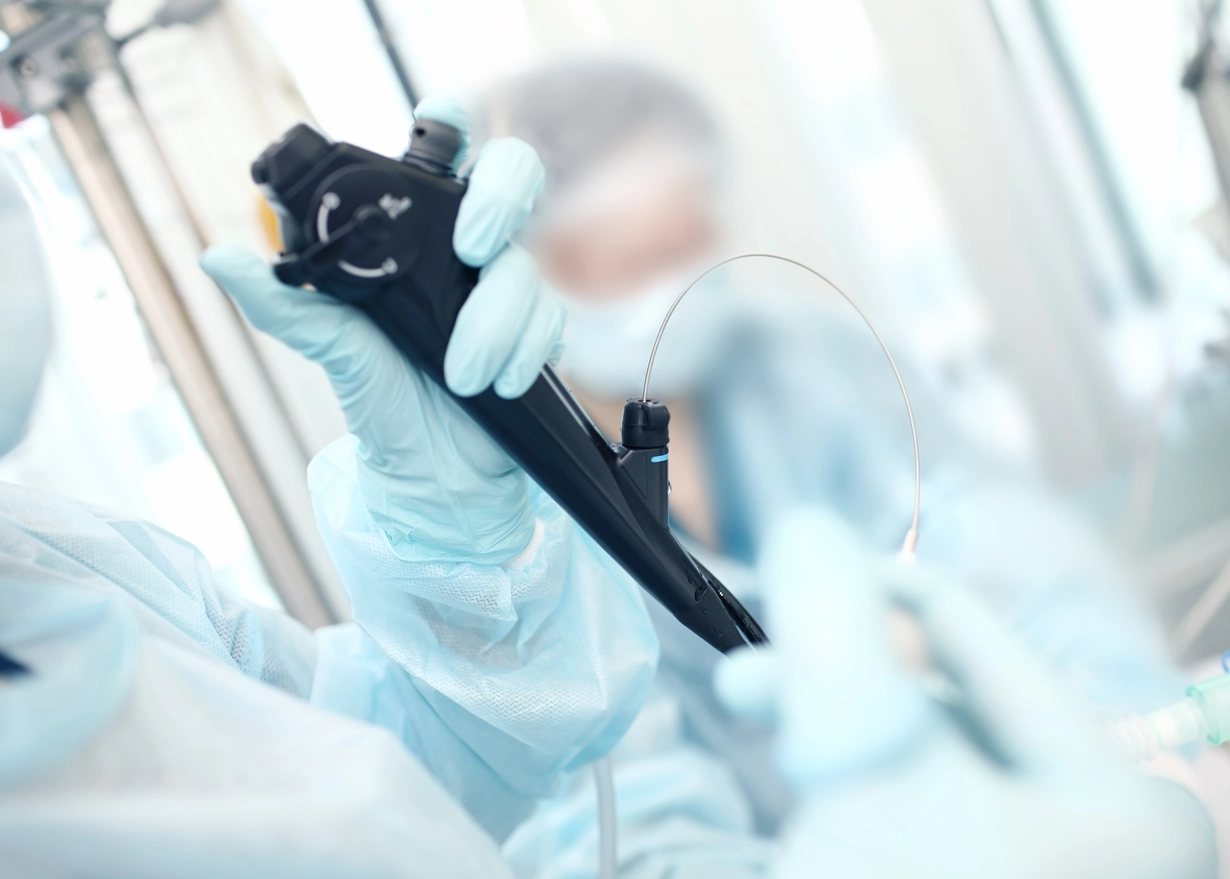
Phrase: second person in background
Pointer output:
(776, 399)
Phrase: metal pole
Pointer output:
(120, 220)
(1122, 220)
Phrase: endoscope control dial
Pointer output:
(378, 208)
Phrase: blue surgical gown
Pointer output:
(170, 727)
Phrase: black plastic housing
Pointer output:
(377, 233)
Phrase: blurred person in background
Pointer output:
(776, 399)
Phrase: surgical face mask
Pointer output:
(608, 342)
(25, 313)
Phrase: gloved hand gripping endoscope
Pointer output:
(377, 233)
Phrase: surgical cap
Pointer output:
(581, 114)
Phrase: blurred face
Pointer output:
(611, 253)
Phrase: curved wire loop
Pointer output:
(911, 537)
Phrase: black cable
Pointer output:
(390, 49)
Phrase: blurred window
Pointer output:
(110, 428)
(1104, 79)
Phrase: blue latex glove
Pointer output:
(436, 485)
(1010, 779)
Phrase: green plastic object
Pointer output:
(1204, 714)
(1213, 698)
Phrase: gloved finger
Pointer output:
(317, 326)
(845, 704)
(447, 110)
(1030, 718)
(557, 350)
(492, 322)
(537, 344)
(506, 179)
(746, 682)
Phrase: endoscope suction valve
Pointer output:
(433, 146)
(644, 453)
(377, 233)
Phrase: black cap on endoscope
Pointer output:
(433, 145)
(645, 425)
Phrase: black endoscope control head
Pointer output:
(290, 159)
(354, 222)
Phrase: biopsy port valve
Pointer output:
(376, 233)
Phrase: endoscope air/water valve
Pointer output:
(377, 233)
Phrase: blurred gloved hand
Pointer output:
(1006, 778)
(436, 485)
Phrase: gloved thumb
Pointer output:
(270, 305)
(315, 325)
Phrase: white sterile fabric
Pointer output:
(538, 664)
(170, 728)
(163, 729)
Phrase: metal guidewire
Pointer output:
(911, 538)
